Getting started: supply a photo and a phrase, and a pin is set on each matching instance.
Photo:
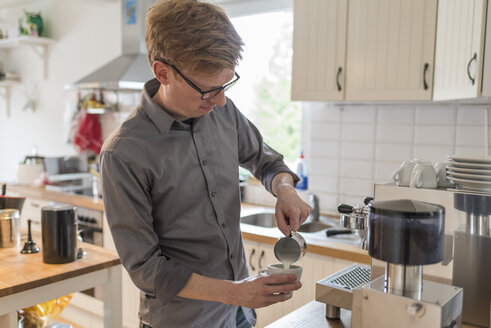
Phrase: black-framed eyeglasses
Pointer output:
(208, 94)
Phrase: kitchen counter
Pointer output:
(27, 280)
(41, 193)
(341, 246)
(312, 315)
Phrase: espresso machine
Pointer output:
(467, 259)
(405, 235)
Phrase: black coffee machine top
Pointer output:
(406, 231)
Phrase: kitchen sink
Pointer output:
(313, 227)
(261, 219)
(267, 219)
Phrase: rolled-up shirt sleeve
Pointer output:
(128, 206)
(263, 161)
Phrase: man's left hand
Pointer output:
(290, 209)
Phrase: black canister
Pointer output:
(59, 233)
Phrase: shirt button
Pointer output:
(231, 256)
(223, 225)
(213, 194)
(203, 162)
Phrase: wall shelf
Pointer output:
(38, 44)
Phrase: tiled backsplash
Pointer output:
(351, 147)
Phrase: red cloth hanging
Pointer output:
(89, 135)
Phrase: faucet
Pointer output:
(314, 203)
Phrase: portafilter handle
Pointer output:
(345, 209)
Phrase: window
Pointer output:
(263, 92)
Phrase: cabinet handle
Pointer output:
(340, 70)
(250, 259)
(473, 80)
(425, 84)
(260, 258)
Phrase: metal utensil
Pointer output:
(333, 231)
(30, 246)
(290, 249)
(9, 228)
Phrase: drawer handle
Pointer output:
(425, 84)
(340, 70)
(260, 258)
(473, 80)
(250, 259)
(34, 204)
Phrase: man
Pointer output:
(170, 178)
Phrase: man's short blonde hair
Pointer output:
(192, 34)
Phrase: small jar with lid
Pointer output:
(9, 228)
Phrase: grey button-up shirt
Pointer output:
(171, 195)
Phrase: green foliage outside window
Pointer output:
(277, 117)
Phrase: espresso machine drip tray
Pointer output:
(336, 291)
(350, 278)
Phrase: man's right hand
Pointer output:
(260, 291)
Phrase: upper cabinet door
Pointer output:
(319, 47)
(459, 49)
(390, 49)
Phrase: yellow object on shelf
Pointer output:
(94, 172)
(37, 316)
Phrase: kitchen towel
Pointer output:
(88, 136)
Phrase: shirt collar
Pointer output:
(157, 114)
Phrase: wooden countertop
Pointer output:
(335, 247)
(21, 272)
(56, 196)
(313, 315)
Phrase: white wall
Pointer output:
(87, 35)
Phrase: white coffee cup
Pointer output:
(402, 176)
(279, 269)
(441, 174)
(423, 176)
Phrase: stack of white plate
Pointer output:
(471, 173)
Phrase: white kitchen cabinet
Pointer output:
(319, 46)
(391, 47)
(258, 255)
(459, 53)
(32, 210)
(388, 47)
(315, 267)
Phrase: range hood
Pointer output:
(131, 69)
